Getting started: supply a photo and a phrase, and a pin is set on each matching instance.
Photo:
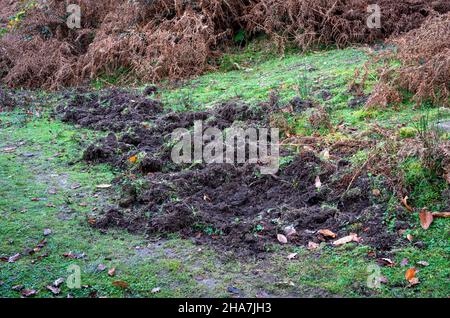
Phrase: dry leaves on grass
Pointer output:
(282, 239)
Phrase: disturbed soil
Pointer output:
(231, 206)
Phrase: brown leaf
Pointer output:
(121, 284)
(318, 183)
(53, 289)
(75, 186)
(74, 255)
(9, 149)
(413, 282)
(327, 233)
(282, 239)
(133, 159)
(289, 231)
(291, 256)
(410, 274)
(58, 282)
(312, 246)
(426, 218)
(156, 290)
(409, 237)
(385, 262)
(404, 262)
(28, 292)
(346, 239)
(376, 192)
(407, 206)
(423, 263)
(104, 186)
(14, 258)
(112, 272)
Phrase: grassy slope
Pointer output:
(176, 265)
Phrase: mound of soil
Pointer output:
(139, 124)
(237, 208)
(233, 206)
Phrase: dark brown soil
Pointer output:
(234, 207)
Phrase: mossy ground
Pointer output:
(47, 158)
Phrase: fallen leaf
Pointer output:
(14, 258)
(423, 263)
(326, 154)
(101, 267)
(156, 290)
(292, 256)
(376, 192)
(53, 289)
(327, 233)
(104, 186)
(409, 237)
(75, 186)
(9, 149)
(410, 274)
(407, 206)
(233, 290)
(346, 239)
(385, 261)
(312, 246)
(133, 159)
(384, 280)
(282, 239)
(426, 218)
(50, 205)
(120, 284)
(318, 183)
(28, 292)
(92, 221)
(83, 204)
(47, 232)
(414, 281)
(112, 272)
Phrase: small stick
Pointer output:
(441, 214)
